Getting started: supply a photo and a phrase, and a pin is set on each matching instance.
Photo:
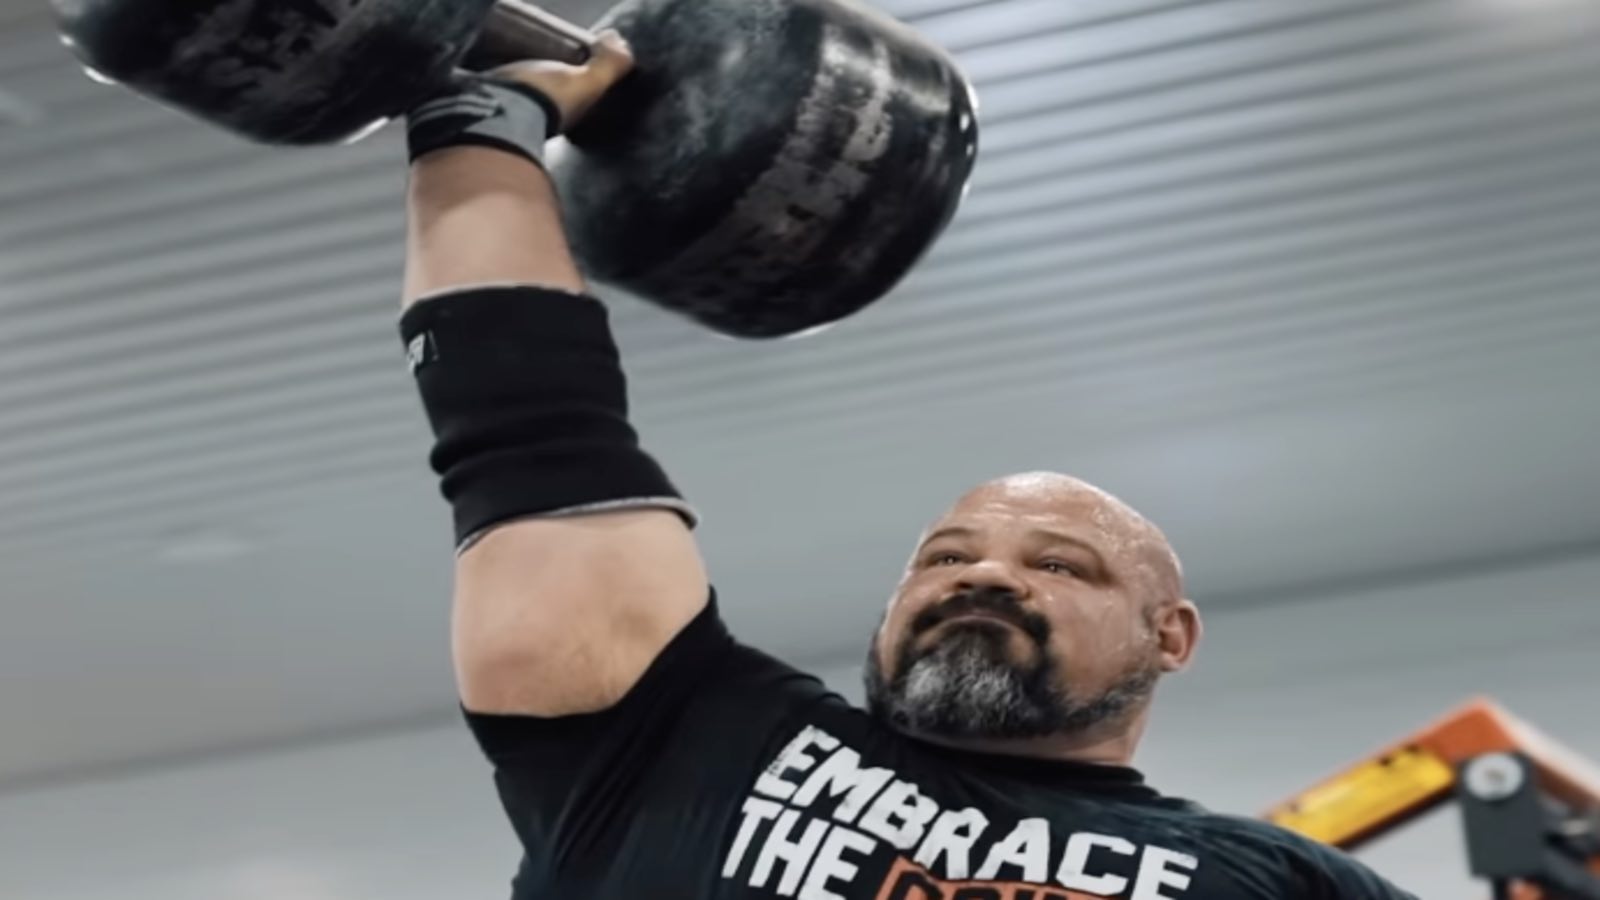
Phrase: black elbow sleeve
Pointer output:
(528, 402)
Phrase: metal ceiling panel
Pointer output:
(1207, 243)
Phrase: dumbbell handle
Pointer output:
(517, 30)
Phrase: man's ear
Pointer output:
(1178, 631)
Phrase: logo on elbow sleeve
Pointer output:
(823, 821)
(419, 352)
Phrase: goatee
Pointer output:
(969, 684)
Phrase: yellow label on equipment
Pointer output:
(1366, 796)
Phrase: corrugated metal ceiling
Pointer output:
(1187, 215)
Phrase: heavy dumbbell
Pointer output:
(770, 167)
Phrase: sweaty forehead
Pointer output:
(1052, 501)
(1043, 499)
(1055, 502)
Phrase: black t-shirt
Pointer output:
(727, 774)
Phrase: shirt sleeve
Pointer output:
(1338, 876)
(1270, 857)
(657, 777)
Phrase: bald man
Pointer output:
(640, 751)
(977, 650)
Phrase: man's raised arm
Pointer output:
(578, 565)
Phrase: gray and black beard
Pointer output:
(967, 685)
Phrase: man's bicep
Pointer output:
(562, 616)
(666, 766)
(649, 708)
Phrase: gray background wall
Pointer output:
(1312, 284)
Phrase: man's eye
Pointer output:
(1057, 567)
(947, 559)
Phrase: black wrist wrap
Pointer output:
(528, 401)
(484, 111)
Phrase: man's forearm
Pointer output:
(479, 216)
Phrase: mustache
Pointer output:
(997, 602)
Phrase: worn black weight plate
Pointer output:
(772, 166)
(276, 71)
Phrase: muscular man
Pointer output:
(640, 751)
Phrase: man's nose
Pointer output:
(993, 574)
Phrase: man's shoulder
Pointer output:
(1247, 831)
(1245, 828)
(1326, 871)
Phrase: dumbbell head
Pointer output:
(771, 166)
(276, 71)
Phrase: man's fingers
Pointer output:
(611, 57)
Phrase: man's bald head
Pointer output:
(1125, 530)
(1038, 605)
